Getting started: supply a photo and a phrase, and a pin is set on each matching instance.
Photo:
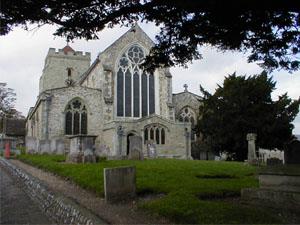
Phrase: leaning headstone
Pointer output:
(119, 183)
(292, 152)
(252, 158)
(89, 156)
(79, 144)
(136, 148)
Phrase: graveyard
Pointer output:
(182, 191)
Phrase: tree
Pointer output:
(270, 32)
(7, 100)
(244, 105)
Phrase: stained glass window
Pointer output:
(151, 94)
(144, 95)
(157, 136)
(127, 93)
(163, 136)
(155, 133)
(187, 115)
(138, 97)
(120, 93)
(69, 118)
(76, 118)
(151, 134)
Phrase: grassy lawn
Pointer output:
(194, 190)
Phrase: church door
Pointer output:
(128, 142)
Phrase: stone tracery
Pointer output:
(135, 88)
(76, 118)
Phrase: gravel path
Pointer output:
(112, 213)
(15, 205)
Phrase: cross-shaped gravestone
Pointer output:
(185, 87)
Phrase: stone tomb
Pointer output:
(135, 148)
(82, 149)
(119, 183)
(279, 186)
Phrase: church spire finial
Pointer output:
(185, 87)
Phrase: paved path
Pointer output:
(15, 205)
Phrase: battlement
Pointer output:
(61, 52)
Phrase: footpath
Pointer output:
(66, 202)
(15, 205)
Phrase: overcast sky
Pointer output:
(22, 55)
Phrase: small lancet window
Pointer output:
(151, 134)
(163, 136)
(157, 136)
(146, 135)
(69, 72)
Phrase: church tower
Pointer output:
(63, 67)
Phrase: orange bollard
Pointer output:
(7, 150)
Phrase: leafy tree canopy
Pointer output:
(7, 100)
(268, 30)
(244, 105)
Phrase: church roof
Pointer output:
(134, 29)
(187, 92)
(67, 49)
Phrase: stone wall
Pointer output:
(57, 207)
(60, 99)
(184, 99)
(177, 144)
(55, 69)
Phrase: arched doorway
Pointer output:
(128, 142)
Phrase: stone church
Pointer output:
(111, 100)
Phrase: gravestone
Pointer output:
(292, 152)
(31, 145)
(79, 144)
(136, 148)
(89, 156)
(151, 149)
(252, 158)
(119, 183)
(274, 162)
(45, 146)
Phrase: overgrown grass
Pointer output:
(183, 182)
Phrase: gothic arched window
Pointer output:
(135, 88)
(187, 115)
(76, 118)
(155, 133)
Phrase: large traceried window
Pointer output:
(76, 118)
(135, 88)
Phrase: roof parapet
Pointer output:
(60, 52)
